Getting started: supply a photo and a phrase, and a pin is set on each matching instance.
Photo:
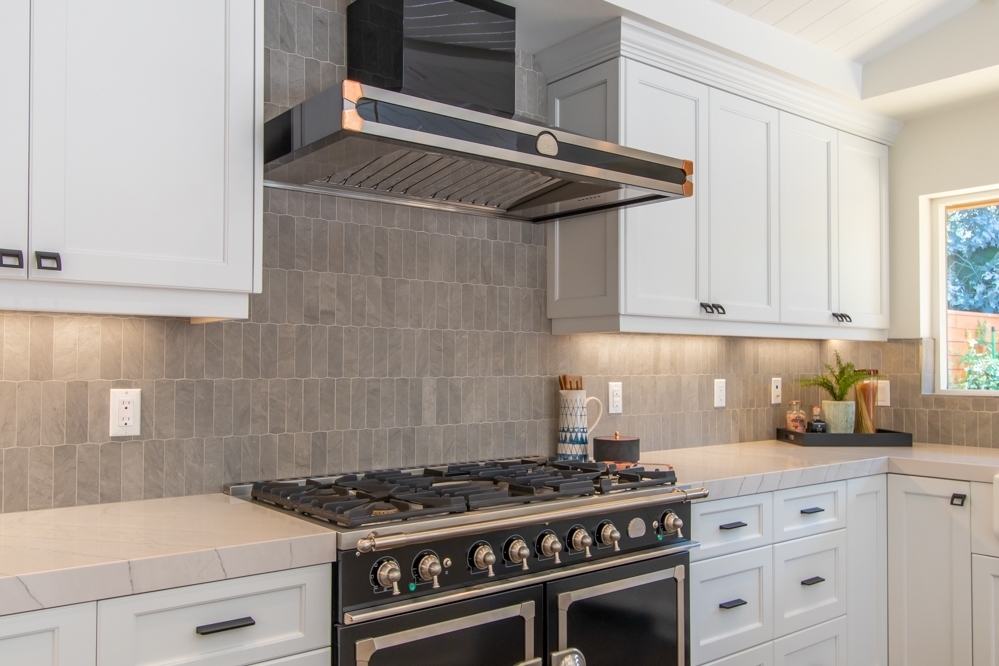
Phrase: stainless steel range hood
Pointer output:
(358, 140)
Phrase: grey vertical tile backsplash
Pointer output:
(384, 336)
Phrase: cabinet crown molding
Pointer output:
(626, 38)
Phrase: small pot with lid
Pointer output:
(619, 448)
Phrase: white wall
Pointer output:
(951, 150)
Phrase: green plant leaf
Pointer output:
(837, 381)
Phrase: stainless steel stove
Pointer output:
(501, 562)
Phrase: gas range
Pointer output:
(416, 545)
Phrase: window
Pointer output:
(967, 313)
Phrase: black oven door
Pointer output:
(634, 614)
(497, 630)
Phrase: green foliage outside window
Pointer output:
(973, 259)
(980, 362)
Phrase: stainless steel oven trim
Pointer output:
(366, 648)
(398, 608)
(373, 542)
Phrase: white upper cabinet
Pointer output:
(808, 218)
(665, 244)
(143, 166)
(745, 264)
(15, 37)
(863, 231)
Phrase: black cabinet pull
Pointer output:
(228, 625)
(814, 580)
(11, 258)
(708, 308)
(719, 309)
(735, 603)
(838, 317)
(814, 509)
(48, 261)
(848, 318)
(732, 526)
(957, 499)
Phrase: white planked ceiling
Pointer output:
(859, 30)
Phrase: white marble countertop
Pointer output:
(729, 470)
(56, 557)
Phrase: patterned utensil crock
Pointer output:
(573, 433)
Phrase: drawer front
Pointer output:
(809, 581)
(290, 611)
(731, 604)
(762, 655)
(801, 512)
(822, 645)
(322, 657)
(731, 525)
(56, 637)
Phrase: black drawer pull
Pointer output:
(732, 526)
(957, 499)
(735, 603)
(11, 258)
(228, 625)
(814, 509)
(708, 308)
(814, 580)
(48, 261)
(838, 317)
(848, 318)
(719, 309)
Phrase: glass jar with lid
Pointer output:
(867, 403)
(796, 416)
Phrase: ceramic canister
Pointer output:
(617, 448)
(573, 432)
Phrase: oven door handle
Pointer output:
(568, 657)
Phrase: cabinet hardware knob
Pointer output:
(838, 317)
(735, 603)
(719, 309)
(11, 258)
(957, 499)
(848, 318)
(732, 526)
(228, 625)
(710, 309)
(48, 261)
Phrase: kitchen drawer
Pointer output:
(731, 604)
(292, 612)
(822, 645)
(801, 512)
(322, 657)
(761, 655)
(56, 637)
(809, 581)
(730, 525)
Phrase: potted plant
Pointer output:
(841, 414)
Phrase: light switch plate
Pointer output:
(884, 393)
(126, 412)
(615, 397)
(775, 393)
(719, 393)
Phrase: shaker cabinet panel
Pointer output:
(15, 36)
(665, 244)
(867, 570)
(144, 169)
(808, 221)
(744, 213)
(863, 231)
(64, 636)
(985, 601)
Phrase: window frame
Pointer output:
(938, 282)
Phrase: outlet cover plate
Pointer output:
(126, 413)
(884, 393)
(719, 393)
(776, 396)
(615, 397)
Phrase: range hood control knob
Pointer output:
(429, 568)
(580, 540)
(672, 524)
(388, 575)
(551, 546)
(484, 558)
(609, 535)
(518, 553)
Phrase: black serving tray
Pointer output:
(880, 438)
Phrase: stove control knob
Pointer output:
(429, 568)
(388, 575)
(518, 553)
(551, 546)
(484, 558)
(580, 540)
(672, 524)
(609, 535)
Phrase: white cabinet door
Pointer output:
(56, 637)
(757, 656)
(744, 242)
(15, 36)
(929, 580)
(665, 244)
(985, 601)
(809, 581)
(821, 645)
(808, 217)
(863, 231)
(729, 525)
(867, 570)
(145, 135)
(322, 657)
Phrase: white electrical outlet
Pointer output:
(719, 393)
(775, 395)
(615, 401)
(126, 412)
(884, 393)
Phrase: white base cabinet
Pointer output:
(821, 645)
(322, 657)
(55, 637)
(867, 570)
(929, 580)
(985, 605)
(762, 655)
